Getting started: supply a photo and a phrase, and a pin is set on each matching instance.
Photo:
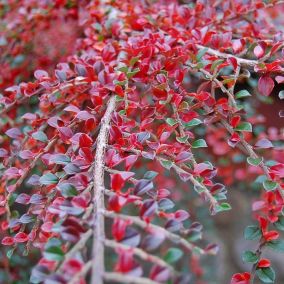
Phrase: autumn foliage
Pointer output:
(121, 121)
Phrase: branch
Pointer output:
(248, 63)
(141, 254)
(127, 279)
(144, 225)
(75, 82)
(77, 247)
(98, 190)
(213, 202)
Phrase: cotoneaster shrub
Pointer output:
(136, 109)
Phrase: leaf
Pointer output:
(254, 161)
(150, 175)
(223, 207)
(277, 245)
(265, 85)
(249, 256)
(166, 164)
(173, 255)
(200, 53)
(53, 253)
(266, 275)
(143, 186)
(242, 94)
(67, 189)
(60, 159)
(165, 204)
(244, 126)
(193, 122)
(21, 237)
(48, 179)
(270, 185)
(252, 233)
(182, 140)
(132, 73)
(199, 143)
(171, 121)
(148, 208)
(263, 144)
(40, 136)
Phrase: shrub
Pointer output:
(151, 117)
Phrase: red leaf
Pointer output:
(85, 141)
(241, 278)
(265, 85)
(263, 263)
(21, 237)
(7, 241)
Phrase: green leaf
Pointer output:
(67, 189)
(270, 185)
(132, 73)
(60, 159)
(150, 175)
(173, 255)
(166, 164)
(182, 139)
(192, 123)
(223, 207)
(277, 245)
(40, 136)
(120, 83)
(199, 143)
(280, 223)
(242, 94)
(252, 233)
(244, 126)
(215, 64)
(281, 95)
(48, 179)
(54, 253)
(133, 60)
(266, 275)
(201, 53)
(171, 121)
(254, 161)
(249, 256)
(123, 69)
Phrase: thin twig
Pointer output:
(127, 279)
(144, 225)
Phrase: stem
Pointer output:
(141, 254)
(98, 190)
(127, 279)
(143, 225)
(254, 267)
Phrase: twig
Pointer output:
(127, 279)
(141, 254)
(144, 225)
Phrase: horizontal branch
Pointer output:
(75, 82)
(144, 225)
(248, 63)
(141, 254)
(127, 279)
